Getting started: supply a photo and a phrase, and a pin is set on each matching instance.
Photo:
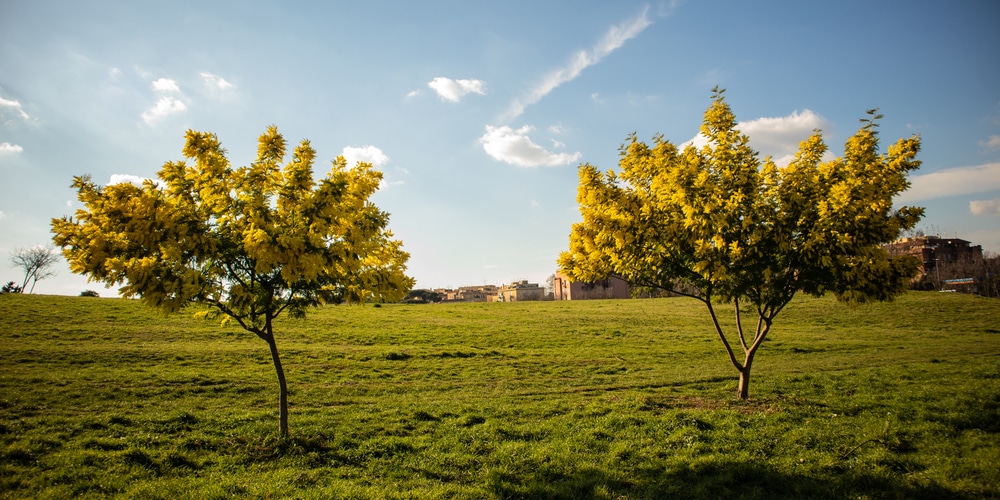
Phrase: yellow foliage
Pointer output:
(251, 241)
(722, 222)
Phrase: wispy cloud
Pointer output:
(557, 129)
(993, 143)
(453, 90)
(985, 207)
(12, 106)
(952, 181)
(392, 178)
(169, 102)
(615, 37)
(513, 146)
(367, 154)
(7, 148)
(215, 82)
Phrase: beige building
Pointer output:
(484, 293)
(611, 288)
(520, 291)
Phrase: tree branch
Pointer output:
(649, 284)
(239, 319)
(722, 336)
(739, 323)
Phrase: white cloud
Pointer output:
(985, 207)
(215, 81)
(697, 141)
(165, 106)
(368, 154)
(7, 148)
(615, 37)
(165, 85)
(453, 90)
(14, 106)
(992, 143)
(114, 73)
(952, 181)
(126, 179)
(413, 93)
(777, 137)
(2, 215)
(515, 147)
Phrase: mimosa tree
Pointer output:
(726, 227)
(251, 243)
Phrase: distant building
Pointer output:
(934, 251)
(484, 293)
(611, 288)
(520, 291)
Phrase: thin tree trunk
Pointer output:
(743, 390)
(283, 387)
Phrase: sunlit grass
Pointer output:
(601, 399)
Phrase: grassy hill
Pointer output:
(598, 399)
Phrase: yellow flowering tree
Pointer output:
(251, 242)
(724, 226)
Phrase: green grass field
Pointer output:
(598, 399)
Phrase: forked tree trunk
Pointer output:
(743, 390)
(282, 386)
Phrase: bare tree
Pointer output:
(36, 262)
(978, 275)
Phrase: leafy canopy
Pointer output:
(253, 241)
(721, 225)
(719, 222)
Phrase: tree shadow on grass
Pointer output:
(723, 480)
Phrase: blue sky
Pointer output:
(480, 112)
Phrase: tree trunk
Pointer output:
(282, 386)
(743, 390)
